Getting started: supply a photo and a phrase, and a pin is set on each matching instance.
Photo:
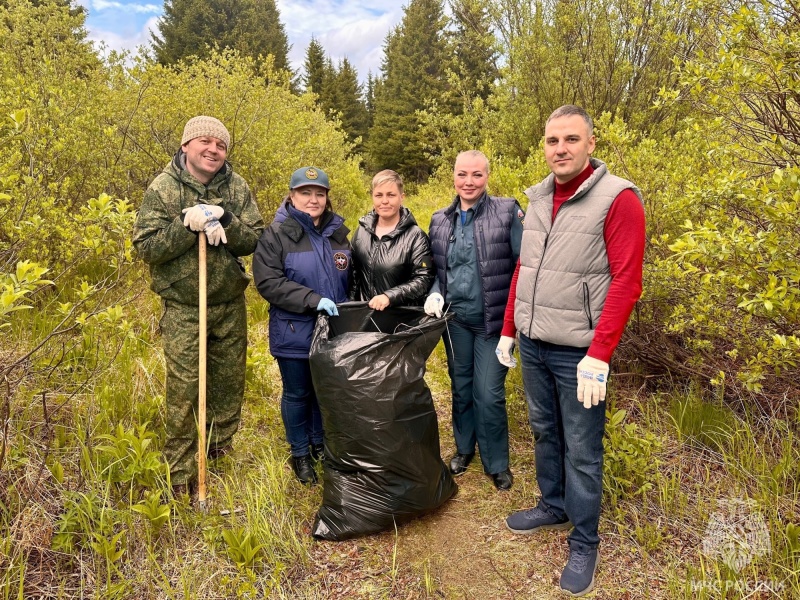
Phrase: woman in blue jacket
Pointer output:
(302, 265)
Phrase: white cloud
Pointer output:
(118, 41)
(352, 28)
(361, 42)
(101, 5)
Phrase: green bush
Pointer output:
(630, 464)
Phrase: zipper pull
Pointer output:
(291, 326)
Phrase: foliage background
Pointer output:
(696, 102)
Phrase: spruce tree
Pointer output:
(369, 97)
(413, 73)
(191, 27)
(461, 117)
(349, 103)
(315, 67)
(320, 77)
(474, 50)
(338, 91)
(328, 95)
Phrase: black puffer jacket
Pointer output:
(398, 265)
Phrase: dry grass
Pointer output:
(649, 545)
(464, 550)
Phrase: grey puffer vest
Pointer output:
(564, 273)
(494, 255)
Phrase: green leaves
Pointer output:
(86, 521)
(28, 275)
(111, 548)
(740, 257)
(126, 457)
(157, 514)
(631, 461)
(16, 287)
(747, 77)
(792, 533)
(242, 547)
(18, 117)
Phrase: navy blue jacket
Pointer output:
(496, 254)
(295, 265)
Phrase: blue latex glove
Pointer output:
(328, 306)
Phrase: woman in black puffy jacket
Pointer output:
(392, 263)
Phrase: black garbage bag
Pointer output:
(382, 463)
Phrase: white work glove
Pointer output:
(215, 233)
(592, 379)
(196, 217)
(504, 351)
(434, 304)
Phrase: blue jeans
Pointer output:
(568, 437)
(477, 381)
(299, 407)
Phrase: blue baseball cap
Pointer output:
(309, 176)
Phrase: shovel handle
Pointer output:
(201, 396)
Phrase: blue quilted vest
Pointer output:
(492, 224)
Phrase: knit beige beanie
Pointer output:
(202, 125)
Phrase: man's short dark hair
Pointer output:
(571, 109)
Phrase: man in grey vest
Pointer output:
(576, 283)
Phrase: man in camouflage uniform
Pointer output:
(198, 191)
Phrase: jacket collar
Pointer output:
(477, 207)
(297, 223)
(370, 220)
(547, 186)
(540, 195)
(177, 169)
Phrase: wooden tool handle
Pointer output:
(201, 396)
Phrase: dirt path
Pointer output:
(463, 550)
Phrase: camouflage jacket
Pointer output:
(171, 250)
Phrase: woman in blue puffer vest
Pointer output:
(302, 265)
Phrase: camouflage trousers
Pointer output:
(226, 364)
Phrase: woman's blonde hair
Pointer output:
(387, 176)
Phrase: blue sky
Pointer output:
(352, 28)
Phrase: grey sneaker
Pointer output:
(533, 520)
(577, 578)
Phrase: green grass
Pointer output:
(85, 508)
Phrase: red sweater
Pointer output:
(623, 232)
